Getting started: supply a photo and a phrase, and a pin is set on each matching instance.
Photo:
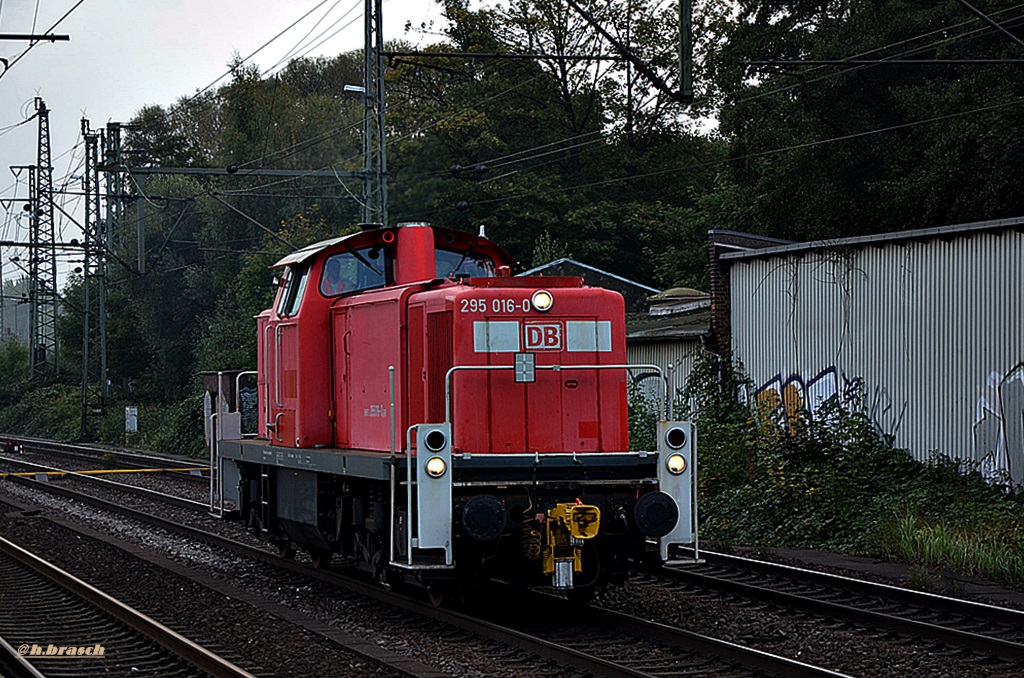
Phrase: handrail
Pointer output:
(552, 368)
(275, 428)
(391, 464)
(214, 439)
(266, 371)
(238, 398)
(277, 366)
(408, 493)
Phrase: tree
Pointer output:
(819, 152)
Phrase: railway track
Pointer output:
(56, 624)
(988, 630)
(46, 471)
(886, 613)
(94, 455)
(627, 645)
(600, 643)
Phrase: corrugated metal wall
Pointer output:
(931, 332)
(681, 353)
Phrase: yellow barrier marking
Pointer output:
(97, 472)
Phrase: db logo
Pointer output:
(543, 337)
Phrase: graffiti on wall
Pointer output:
(788, 395)
(999, 426)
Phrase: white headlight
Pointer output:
(436, 467)
(542, 300)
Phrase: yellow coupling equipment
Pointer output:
(565, 528)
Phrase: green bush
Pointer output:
(54, 412)
(643, 420)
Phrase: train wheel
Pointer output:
(437, 594)
(320, 559)
(449, 594)
(286, 551)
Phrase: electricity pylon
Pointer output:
(375, 169)
(44, 357)
(94, 278)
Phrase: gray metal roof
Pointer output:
(668, 327)
(567, 260)
(959, 230)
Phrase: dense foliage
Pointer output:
(845, 149)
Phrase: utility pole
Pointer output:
(44, 357)
(375, 171)
(94, 275)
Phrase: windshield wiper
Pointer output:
(461, 261)
(364, 261)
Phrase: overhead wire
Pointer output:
(28, 49)
(319, 44)
(323, 136)
(277, 82)
(759, 154)
(182, 106)
(308, 33)
(296, 147)
(298, 46)
(835, 73)
(652, 97)
(69, 176)
(257, 51)
(415, 132)
(299, 146)
(9, 128)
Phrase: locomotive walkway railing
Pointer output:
(218, 420)
(665, 380)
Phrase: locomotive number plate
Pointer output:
(481, 305)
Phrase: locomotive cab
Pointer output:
(424, 414)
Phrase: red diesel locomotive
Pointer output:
(427, 416)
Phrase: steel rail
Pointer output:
(887, 591)
(103, 482)
(753, 659)
(944, 634)
(193, 653)
(14, 665)
(90, 453)
(732, 652)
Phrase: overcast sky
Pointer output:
(125, 54)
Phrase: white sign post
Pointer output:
(131, 420)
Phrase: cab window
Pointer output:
(354, 270)
(451, 263)
(294, 287)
